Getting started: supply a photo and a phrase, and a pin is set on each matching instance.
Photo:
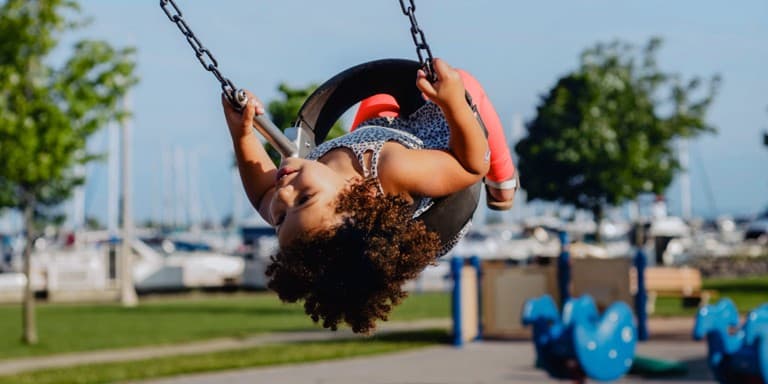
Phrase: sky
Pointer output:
(516, 49)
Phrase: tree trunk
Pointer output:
(29, 325)
(597, 212)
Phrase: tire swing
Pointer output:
(395, 77)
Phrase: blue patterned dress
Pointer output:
(424, 129)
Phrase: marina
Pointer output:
(85, 266)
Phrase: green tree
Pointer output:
(605, 132)
(48, 112)
(283, 112)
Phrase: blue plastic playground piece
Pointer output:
(735, 357)
(582, 343)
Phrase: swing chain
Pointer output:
(204, 56)
(419, 40)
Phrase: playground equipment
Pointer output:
(606, 281)
(465, 302)
(482, 305)
(577, 345)
(581, 343)
(735, 355)
(495, 313)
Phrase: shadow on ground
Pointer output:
(696, 369)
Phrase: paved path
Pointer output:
(490, 362)
(8, 367)
(482, 362)
(476, 363)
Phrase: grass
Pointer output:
(244, 358)
(672, 306)
(73, 328)
(747, 293)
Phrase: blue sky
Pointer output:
(516, 49)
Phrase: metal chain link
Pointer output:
(209, 62)
(419, 40)
(203, 54)
(422, 47)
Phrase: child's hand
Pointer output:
(448, 90)
(240, 122)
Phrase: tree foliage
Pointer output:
(47, 111)
(605, 132)
(284, 112)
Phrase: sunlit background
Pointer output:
(517, 50)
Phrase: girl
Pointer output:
(345, 215)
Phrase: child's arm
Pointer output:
(468, 142)
(257, 171)
(438, 173)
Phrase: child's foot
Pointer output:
(501, 196)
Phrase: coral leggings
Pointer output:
(501, 167)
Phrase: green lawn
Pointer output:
(244, 358)
(71, 328)
(747, 293)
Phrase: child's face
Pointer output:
(304, 199)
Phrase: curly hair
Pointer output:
(354, 272)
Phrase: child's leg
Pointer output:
(501, 167)
(501, 180)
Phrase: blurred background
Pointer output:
(623, 118)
